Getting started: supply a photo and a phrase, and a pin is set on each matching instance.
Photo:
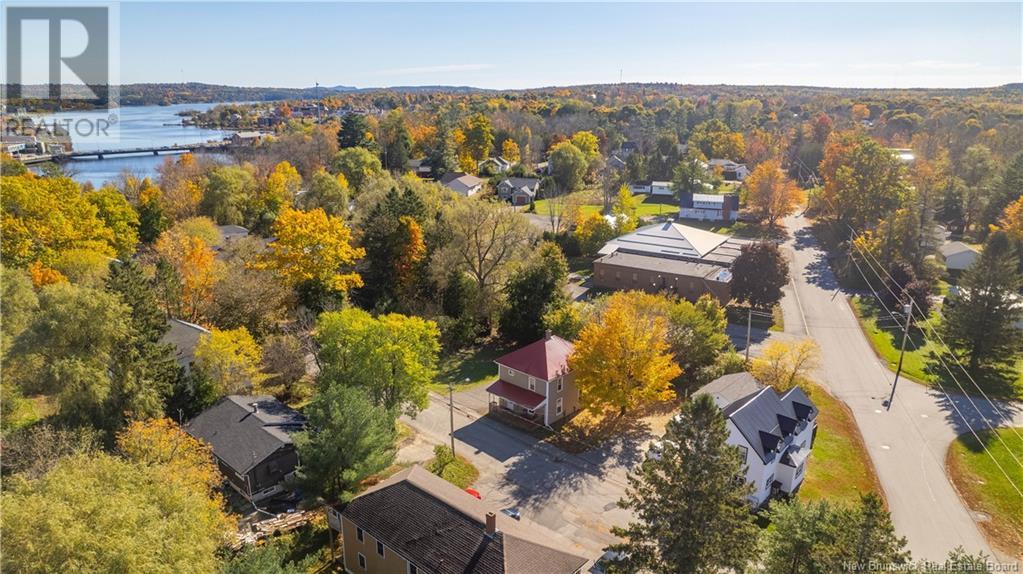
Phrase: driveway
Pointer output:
(908, 443)
(573, 495)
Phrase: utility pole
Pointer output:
(749, 330)
(908, 309)
(451, 413)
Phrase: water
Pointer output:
(139, 126)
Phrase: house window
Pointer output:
(561, 385)
(770, 480)
(380, 548)
(559, 407)
(362, 561)
(635, 277)
(532, 383)
(744, 452)
(412, 568)
(799, 469)
(359, 534)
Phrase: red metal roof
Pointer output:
(545, 359)
(516, 394)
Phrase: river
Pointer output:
(139, 126)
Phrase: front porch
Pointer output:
(524, 404)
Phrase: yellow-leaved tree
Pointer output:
(622, 360)
(162, 443)
(1012, 220)
(232, 360)
(510, 151)
(785, 365)
(311, 246)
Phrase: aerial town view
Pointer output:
(511, 287)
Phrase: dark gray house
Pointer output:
(251, 440)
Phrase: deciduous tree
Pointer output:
(532, 292)
(758, 274)
(785, 365)
(770, 193)
(232, 359)
(622, 360)
(311, 246)
(568, 166)
(357, 164)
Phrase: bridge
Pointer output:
(102, 154)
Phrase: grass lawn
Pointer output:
(649, 205)
(839, 469)
(458, 470)
(475, 364)
(738, 315)
(921, 362)
(985, 489)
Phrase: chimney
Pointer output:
(491, 523)
(547, 335)
(255, 407)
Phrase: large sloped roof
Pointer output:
(544, 359)
(441, 529)
(764, 417)
(245, 430)
(676, 241)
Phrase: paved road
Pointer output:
(574, 496)
(907, 444)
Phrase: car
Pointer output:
(653, 452)
(600, 566)
(512, 512)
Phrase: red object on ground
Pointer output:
(473, 492)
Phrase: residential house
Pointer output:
(14, 144)
(251, 438)
(957, 255)
(616, 163)
(709, 206)
(518, 190)
(418, 523)
(669, 257)
(663, 188)
(246, 138)
(535, 383)
(184, 337)
(497, 164)
(462, 183)
(232, 232)
(421, 167)
(730, 170)
(774, 432)
(626, 149)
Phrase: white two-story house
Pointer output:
(534, 382)
(774, 432)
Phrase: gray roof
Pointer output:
(727, 389)
(229, 232)
(245, 430)
(460, 182)
(184, 336)
(441, 529)
(527, 185)
(954, 247)
(676, 241)
(767, 420)
(668, 266)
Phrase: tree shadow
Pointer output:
(971, 411)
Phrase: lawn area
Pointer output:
(985, 489)
(839, 469)
(738, 315)
(456, 470)
(475, 364)
(649, 205)
(921, 362)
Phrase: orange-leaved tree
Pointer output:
(622, 360)
(770, 193)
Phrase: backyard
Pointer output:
(590, 200)
(985, 489)
(470, 367)
(923, 360)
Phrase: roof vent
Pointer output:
(255, 406)
(547, 335)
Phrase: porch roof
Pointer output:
(516, 394)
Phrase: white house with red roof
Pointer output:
(535, 383)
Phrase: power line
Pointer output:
(852, 241)
(942, 389)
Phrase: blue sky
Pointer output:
(506, 45)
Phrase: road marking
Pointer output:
(799, 305)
